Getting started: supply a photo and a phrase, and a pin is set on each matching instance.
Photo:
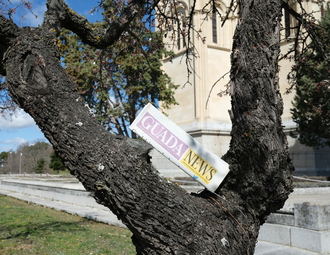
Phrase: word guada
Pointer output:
(165, 138)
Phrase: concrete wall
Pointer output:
(308, 228)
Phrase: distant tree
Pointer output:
(29, 158)
(12, 163)
(4, 155)
(33, 153)
(3, 158)
(56, 162)
(119, 80)
(40, 167)
(312, 101)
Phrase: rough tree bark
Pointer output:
(163, 218)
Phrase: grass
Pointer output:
(27, 229)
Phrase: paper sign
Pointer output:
(178, 146)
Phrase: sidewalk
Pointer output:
(66, 195)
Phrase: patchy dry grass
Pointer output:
(27, 229)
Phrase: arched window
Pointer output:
(289, 21)
(217, 8)
(181, 25)
(214, 27)
(287, 24)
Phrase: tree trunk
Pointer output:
(261, 169)
(163, 218)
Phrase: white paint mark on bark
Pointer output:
(100, 167)
(79, 124)
(224, 242)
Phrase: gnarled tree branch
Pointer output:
(59, 14)
(307, 25)
(260, 164)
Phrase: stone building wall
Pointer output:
(201, 111)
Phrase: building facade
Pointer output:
(203, 104)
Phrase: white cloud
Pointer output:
(19, 119)
(12, 144)
(14, 141)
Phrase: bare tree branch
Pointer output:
(306, 24)
(214, 84)
(231, 9)
(59, 14)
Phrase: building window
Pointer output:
(214, 27)
(287, 24)
(181, 27)
(178, 36)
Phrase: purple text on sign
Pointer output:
(162, 135)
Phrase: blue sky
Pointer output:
(20, 128)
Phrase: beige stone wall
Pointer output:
(200, 108)
(284, 69)
(201, 111)
(184, 112)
